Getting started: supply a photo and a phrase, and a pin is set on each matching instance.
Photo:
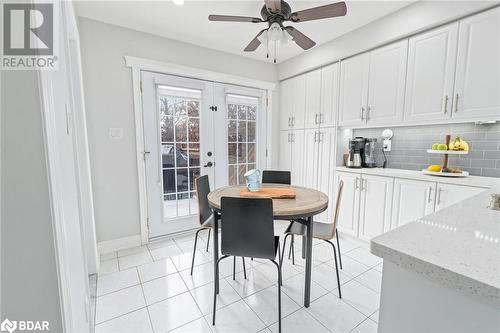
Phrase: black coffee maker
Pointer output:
(356, 158)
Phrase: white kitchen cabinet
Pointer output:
(299, 101)
(329, 95)
(297, 161)
(286, 102)
(349, 204)
(386, 85)
(448, 194)
(313, 99)
(477, 80)
(430, 75)
(353, 90)
(412, 200)
(325, 170)
(285, 162)
(375, 205)
(310, 156)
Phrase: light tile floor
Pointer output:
(149, 289)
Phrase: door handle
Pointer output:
(445, 104)
(208, 165)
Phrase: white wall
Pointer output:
(29, 279)
(406, 21)
(108, 98)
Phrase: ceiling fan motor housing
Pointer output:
(271, 17)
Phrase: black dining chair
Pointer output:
(323, 231)
(276, 177)
(205, 218)
(248, 231)
(280, 177)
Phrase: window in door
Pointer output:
(180, 148)
(241, 136)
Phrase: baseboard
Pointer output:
(118, 244)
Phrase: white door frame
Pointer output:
(141, 64)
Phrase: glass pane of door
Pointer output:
(241, 137)
(180, 151)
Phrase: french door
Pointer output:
(192, 128)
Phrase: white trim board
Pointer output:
(195, 73)
(141, 64)
(119, 244)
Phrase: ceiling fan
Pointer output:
(275, 12)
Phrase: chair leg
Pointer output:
(338, 247)
(293, 250)
(234, 268)
(194, 250)
(280, 260)
(336, 267)
(208, 239)
(215, 286)
(290, 249)
(279, 294)
(244, 268)
(284, 247)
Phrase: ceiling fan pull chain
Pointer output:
(275, 50)
(267, 48)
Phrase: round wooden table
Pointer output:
(307, 203)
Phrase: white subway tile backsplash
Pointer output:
(410, 144)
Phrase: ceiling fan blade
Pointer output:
(302, 40)
(321, 12)
(230, 18)
(273, 6)
(254, 44)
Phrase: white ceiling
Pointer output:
(189, 22)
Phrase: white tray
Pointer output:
(449, 152)
(445, 174)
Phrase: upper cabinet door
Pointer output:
(431, 68)
(313, 98)
(329, 95)
(299, 101)
(477, 84)
(386, 85)
(286, 103)
(353, 90)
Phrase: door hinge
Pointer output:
(213, 108)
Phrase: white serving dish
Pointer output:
(445, 174)
(449, 152)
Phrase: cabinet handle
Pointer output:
(321, 136)
(429, 194)
(362, 113)
(368, 112)
(456, 103)
(293, 137)
(445, 104)
(357, 183)
(293, 121)
(320, 118)
(438, 200)
(289, 121)
(315, 133)
(316, 119)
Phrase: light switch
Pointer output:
(116, 133)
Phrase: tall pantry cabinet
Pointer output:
(307, 144)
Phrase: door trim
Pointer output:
(141, 64)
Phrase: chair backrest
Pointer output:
(247, 228)
(276, 176)
(202, 186)
(337, 209)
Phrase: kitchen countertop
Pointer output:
(486, 182)
(458, 247)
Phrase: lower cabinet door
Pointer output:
(297, 164)
(412, 200)
(448, 194)
(375, 205)
(349, 204)
(285, 162)
(326, 167)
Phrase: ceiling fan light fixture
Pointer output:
(275, 32)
